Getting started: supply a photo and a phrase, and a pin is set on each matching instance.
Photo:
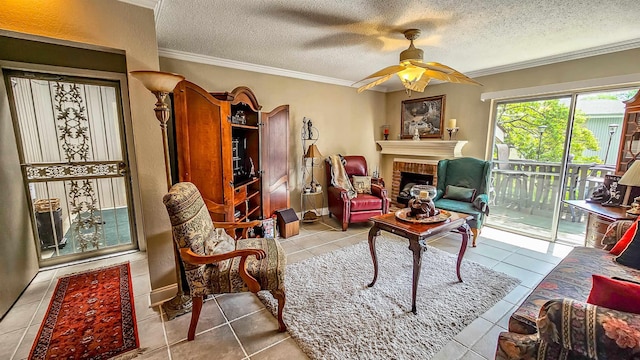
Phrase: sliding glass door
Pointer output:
(551, 149)
(528, 164)
(594, 145)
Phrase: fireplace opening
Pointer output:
(407, 181)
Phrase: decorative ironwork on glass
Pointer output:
(87, 228)
(73, 127)
(66, 171)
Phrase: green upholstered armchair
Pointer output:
(468, 173)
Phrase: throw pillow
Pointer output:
(362, 184)
(625, 239)
(459, 193)
(219, 243)
(615, 294)
(630, 256)
(627, 280)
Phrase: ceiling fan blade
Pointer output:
(344, 39)
(455, 77)
(309, 17)
(390, 70)
(453, 72)
(441, 66)
(443, 72)
(374, 83)
(432, 66)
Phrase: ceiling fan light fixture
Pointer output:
(410, 75)
(413, 72)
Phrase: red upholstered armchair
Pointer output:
(360, 208)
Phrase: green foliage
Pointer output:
(522, 123)
(616, 95)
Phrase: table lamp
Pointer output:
(312, 152)
(161, 84)
(630, 178)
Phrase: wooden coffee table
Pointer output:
(417, 234)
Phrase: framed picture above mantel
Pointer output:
(426, 115)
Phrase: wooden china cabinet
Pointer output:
(630, 141)
(236, 155)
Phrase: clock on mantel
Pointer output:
(442, 149)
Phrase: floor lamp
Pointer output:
(161, 84)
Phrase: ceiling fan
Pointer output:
(413, 72)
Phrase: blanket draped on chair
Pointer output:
(339, 177)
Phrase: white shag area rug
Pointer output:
(332, 314)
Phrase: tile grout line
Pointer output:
(164, 332)
(316, 246)
(15, 351)
(268, 347)
(226, 322)
(244, 351)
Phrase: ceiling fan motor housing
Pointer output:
(412, 53)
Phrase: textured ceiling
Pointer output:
(351, 39)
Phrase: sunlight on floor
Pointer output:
(537, 245)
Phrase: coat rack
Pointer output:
(310, 135)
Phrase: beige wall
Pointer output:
(473, 116)
(18, 256)
(131, 28)
(348, 123)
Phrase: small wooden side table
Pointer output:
(599, 219)
(377, 181)
(309, 203)
(417, 234)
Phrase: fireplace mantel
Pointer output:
(442, 149)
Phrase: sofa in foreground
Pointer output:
(555, 322)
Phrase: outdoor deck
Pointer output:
(523, 195)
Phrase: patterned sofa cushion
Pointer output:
(569, 279)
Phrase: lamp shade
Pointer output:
(410, 75)
(313, 152)
(632, 176)
(157, 81)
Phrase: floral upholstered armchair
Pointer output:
(568, 329)
(215, 262)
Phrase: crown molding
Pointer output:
(149, 4)
(233, 64)
(239, 65)
(574, 55)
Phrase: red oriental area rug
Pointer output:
(91, 316)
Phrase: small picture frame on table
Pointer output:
(269, 228)
(616, 191)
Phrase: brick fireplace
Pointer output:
(413, 166)
(417, 157)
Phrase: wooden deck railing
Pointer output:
(531, 186)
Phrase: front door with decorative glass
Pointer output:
(70, 135)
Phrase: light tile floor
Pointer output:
(237, 326)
